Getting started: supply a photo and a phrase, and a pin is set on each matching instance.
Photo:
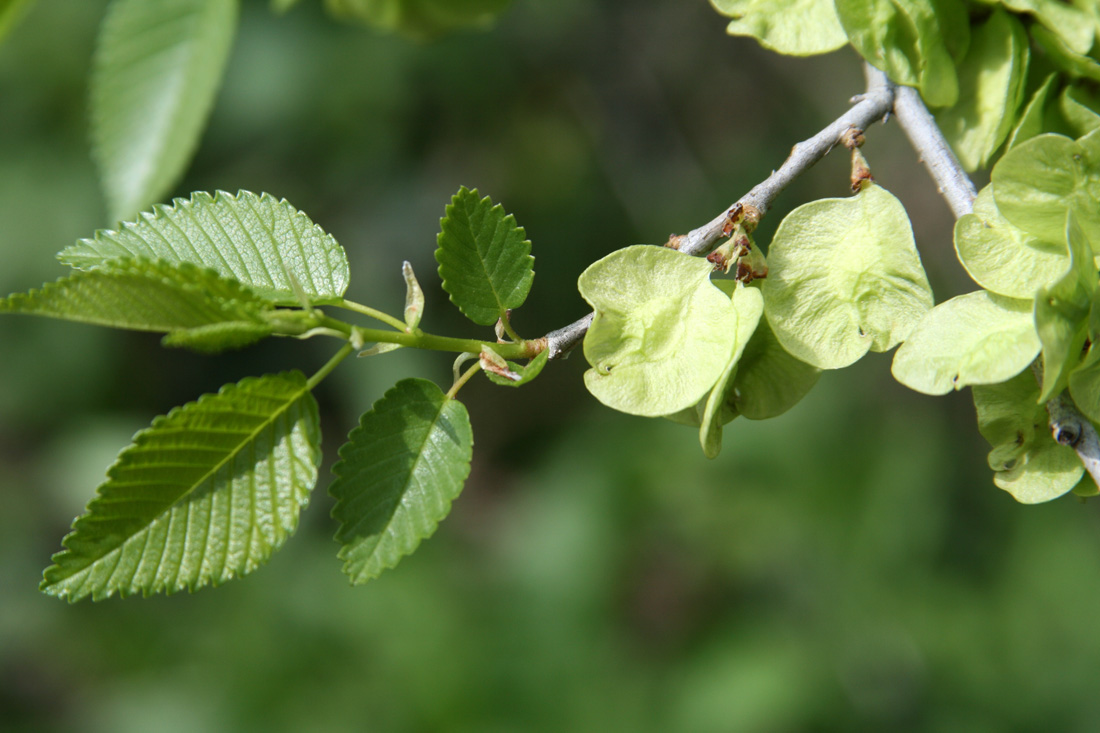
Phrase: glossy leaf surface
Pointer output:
(397, 476)
(792, 27)
(158, 66)
(662, 334)
(265, 243)
(207, 493)
(484, 259)
(845, 278)
(977, 338)
(1027, 461)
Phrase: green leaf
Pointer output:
(1030, 123)
(1084, 381)
(909, 40)
(1027, 461)
(11, 11)
(526, 372)
(991, 86)
(845, 278)
(1002, 257)
(263, 242)
(769, 380)
(1074, 64)
(977, 338)
(1038, 181)
(206, 494)
(158, 66)
(419, 19)
(1072, 26)
(484, 260)
(153, 296)
(1062, 312)
(1079, 107)
(749, 305)
(281, 6)
(792, 27)
(662, 334)
(397, 476)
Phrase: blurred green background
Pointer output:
(848, 566)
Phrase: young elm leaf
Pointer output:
(484, 260)
(845, 278)
(197, 307)
(263, 242)
(207, 493)
(397, 476)
(662, 334)
(526, 372)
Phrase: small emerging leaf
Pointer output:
(206, 494)
(263, 242)
(484, 260)
(414, 297)
(397, 476)
(1027, 461)
(158, 66)
(792, 27)
(977, 338)
(525, 372)
(845, 279)
(662, 334)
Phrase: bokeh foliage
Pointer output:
(848, 565)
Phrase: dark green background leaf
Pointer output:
(158, 66)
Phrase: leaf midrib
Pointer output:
(179, 500)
